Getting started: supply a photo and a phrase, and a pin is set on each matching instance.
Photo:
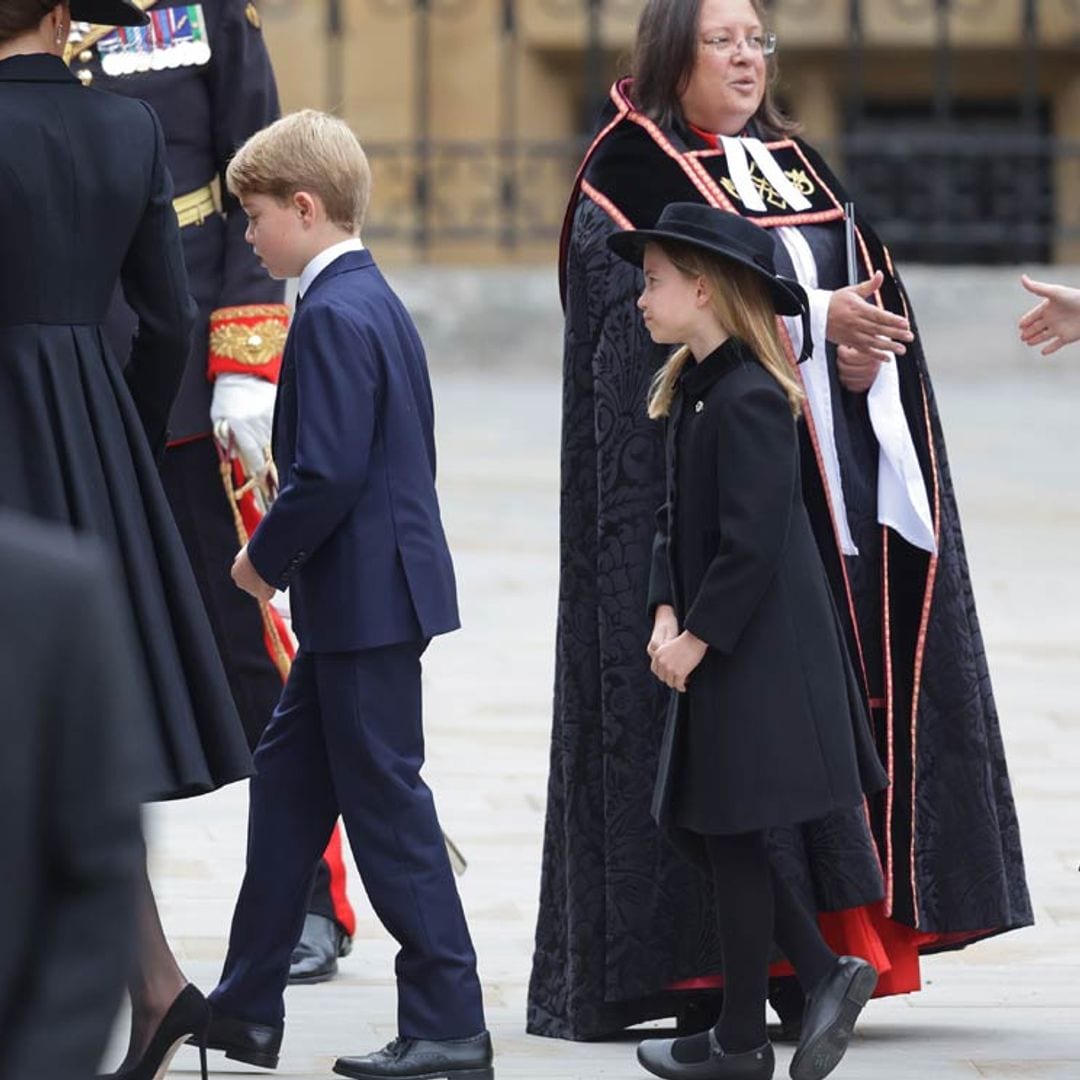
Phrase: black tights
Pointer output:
(755, 906)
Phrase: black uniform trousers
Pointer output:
(203, 515)
(347, 739)
(201, 508)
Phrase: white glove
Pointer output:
(242, 412)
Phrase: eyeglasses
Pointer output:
(723, 45)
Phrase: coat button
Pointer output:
(85, 76)
(698, 406)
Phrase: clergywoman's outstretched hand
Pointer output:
(1055, 321)
(859, 325)
(674, 661)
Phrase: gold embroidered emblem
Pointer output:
(769, 195)
(253, 345)
(253, 16)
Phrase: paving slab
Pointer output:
(1007, 1009)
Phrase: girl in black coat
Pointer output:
(768, 728)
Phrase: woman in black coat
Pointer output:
(769, 728)
(85, 203)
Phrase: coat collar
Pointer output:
(698, 378)
(35, 67)
(343, 264)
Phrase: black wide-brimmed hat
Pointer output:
(720, 233)
(109, 12)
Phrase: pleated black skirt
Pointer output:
(72, 450)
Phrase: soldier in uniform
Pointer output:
(205, 70)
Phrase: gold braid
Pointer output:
(280, 656)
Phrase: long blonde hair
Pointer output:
(744, 307)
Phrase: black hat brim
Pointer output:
(788, 296)
(109, 12)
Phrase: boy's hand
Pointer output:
(665, 627)
(675, 660)
(1054, 322)
(247, 577)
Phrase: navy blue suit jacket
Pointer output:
(355, 532)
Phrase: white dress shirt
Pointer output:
(324, 259)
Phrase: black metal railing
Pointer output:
(946, 177)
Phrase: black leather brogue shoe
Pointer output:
(314, 960)
(704, 1059)
(424, 1059)
(831, 1012)
(242, 1040)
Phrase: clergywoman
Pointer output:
(624, 928)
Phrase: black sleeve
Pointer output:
(756, 474)
(92, 842)
(155, 286)
(244, 99)
(660, 590)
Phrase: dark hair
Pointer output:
(665, 52)
(19, 16)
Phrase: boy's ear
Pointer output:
(306, 206)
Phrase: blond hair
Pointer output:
(744, 307)
(308, 151)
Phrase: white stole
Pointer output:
(903, 503)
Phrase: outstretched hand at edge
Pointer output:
(1053, 322)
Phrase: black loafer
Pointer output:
(655, 1055)
(314, 960)
(831, 1012)
(242, 1040)
(424, 1059)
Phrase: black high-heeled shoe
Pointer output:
(189, 1015)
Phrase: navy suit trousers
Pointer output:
(347, 738)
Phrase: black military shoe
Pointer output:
(242, 1040)
(424, 1059)
(314, 960)
(701, 1057)
(831, 1012)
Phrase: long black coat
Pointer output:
(70, 843)
(85, 200)
(774, 731)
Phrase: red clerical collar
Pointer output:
(706, 136)
(710, 137)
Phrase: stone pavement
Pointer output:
(1003, 1010)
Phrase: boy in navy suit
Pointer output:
(355, 535)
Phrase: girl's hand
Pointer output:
(675, 660)
(1054, 322)
(665, 627)
(857, 324)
